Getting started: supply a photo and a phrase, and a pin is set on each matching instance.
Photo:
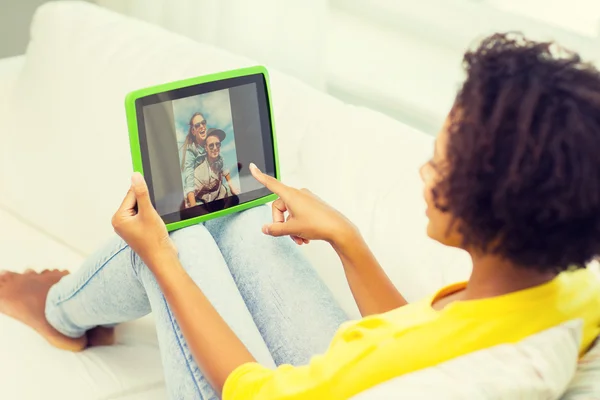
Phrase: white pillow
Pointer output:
(538, 367)
(586, 383)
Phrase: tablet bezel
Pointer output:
(134, 103)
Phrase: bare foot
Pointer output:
(23, 297)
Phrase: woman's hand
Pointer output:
(142, 229)
(309, 218)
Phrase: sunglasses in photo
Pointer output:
(199, 124)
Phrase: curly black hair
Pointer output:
(523, 158)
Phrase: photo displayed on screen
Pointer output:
(207, 151)
(197, 146)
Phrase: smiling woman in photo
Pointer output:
(193, 153)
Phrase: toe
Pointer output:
(6, 276)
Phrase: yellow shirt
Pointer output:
(380, 347)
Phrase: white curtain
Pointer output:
(289, 35)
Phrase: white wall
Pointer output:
(15, 18)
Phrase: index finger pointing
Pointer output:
(269, 182)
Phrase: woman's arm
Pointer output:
(312, 219)
(188, 177)
(215, 347)
(372, 289)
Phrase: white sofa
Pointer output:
(65, 167)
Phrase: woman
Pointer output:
(192, 154)
(209, 174)
(514, 181)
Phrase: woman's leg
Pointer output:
(293, 309)
(115, 286)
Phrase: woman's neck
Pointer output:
(493, 276)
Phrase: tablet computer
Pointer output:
(193, 140)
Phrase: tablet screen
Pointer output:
(197, 143)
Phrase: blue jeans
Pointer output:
(262, 286)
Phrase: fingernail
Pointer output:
(265, 229)
(136, 178)
(253, 166)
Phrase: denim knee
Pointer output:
(194, 234)
(242, 223)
